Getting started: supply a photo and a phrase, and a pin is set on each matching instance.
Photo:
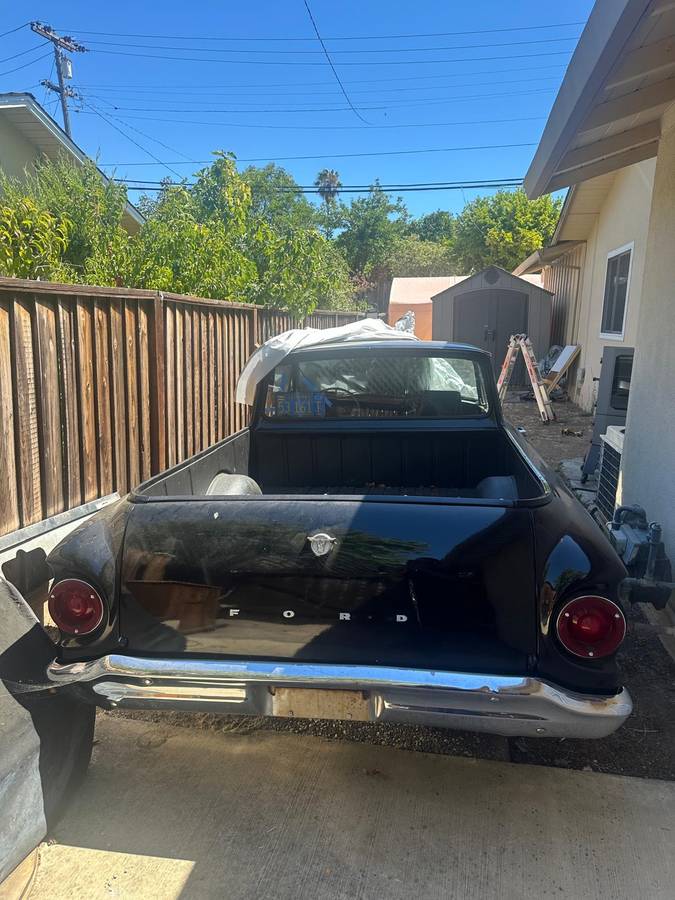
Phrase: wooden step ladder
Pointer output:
(522, 342)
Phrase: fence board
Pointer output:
(170, 369)
(9, 497)
(103, 410)
(70, 436)
(144, 392)
(86, 397)
(197, 379)
(179, 358)
(49, 411)
(26, 415)
(102, 387)
(119, 402)
(189, 386)
(132, 396)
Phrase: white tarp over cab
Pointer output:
(277, 348)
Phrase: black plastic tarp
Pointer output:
(45, 735)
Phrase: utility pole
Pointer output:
(63, 66)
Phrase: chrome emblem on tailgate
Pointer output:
(321, 544)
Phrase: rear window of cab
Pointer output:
(376, 385)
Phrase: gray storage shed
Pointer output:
(487, 308)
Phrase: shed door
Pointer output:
(487, 319)
(474, 319)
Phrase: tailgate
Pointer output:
(407, 584)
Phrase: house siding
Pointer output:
(647, 474)
(16, 153)
(578, 277)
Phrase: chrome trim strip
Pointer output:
(511, 705)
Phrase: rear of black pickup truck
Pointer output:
(377, 546)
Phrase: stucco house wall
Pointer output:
(623, 221)
(17, 152)
(648, 462)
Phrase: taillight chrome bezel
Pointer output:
(57, 614)
(587, 648)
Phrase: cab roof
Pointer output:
(405, 346)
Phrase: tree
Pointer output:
(277, 199)
(328, 184)
(503, 230)
(371, 225)
(216, 239)
(32, 240)
(97, 245)
(437, 226)
(409, 256)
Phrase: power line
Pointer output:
(133, 141)
(355, 189)
(303, 83)
(365, 37)
(157, 94)
(150, 138)
(333, 69)
(213, 123)
(320, 52)
(14, 30)
(25, 65)
(255, 159)
(429, 101)
(380, 62)
(22, 53)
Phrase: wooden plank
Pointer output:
(204, 338)
(236, 347)
(70, 430)
(25, 415)
(9, 496)
(220, 398)
(144, 407)
(212, 378)
(103, 406)
(49, 410)
(170, 369)
(231, 340)
(119, 402)
(131, 362)
(197, 382)
(189, 384)
(179, 361)
(87, 398)
(157, 349)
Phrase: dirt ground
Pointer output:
(548, 440)
(642, 747)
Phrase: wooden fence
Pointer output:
(102, 387)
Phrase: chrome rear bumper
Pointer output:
(506, 705)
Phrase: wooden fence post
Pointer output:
(157, 349)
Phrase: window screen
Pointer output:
(616, 289)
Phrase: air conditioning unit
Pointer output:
(610, 466)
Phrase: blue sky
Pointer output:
(252, 78)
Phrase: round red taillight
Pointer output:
(75, 606)
(591, 627)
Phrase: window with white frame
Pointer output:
(616, 292)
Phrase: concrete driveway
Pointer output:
(172, 812)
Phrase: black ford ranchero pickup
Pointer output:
(378, 545)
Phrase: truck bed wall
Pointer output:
(448, 463)
(451, 461)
